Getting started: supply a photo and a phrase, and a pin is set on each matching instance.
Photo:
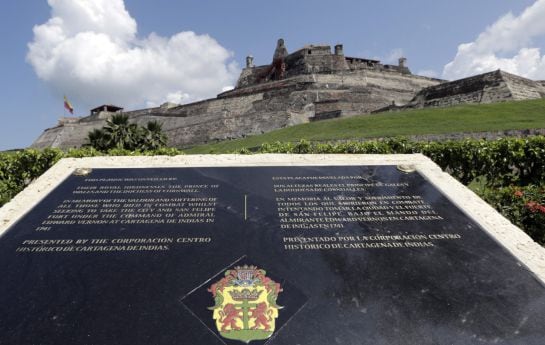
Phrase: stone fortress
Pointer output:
(311, 84)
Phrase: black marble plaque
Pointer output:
(265, 255)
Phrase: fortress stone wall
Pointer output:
(489, 87)
(311, 84)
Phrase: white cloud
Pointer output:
(428, 73)
(90, 51)
(507, 45)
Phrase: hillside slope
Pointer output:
(516, 115)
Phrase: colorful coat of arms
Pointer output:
(245, 304)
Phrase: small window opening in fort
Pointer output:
(309, 52)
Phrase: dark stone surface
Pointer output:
(467, 290)
(326, 115)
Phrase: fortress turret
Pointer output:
(249, 61)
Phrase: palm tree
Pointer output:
(121, 134)
(154, 138)
(97, 138)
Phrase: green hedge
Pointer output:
(506, 166)
(18, 169)
(524, 206)
(503, 162)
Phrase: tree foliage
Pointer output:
(119, 133)
(152, 136)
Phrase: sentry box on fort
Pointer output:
(265, 249)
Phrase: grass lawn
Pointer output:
(464, 118)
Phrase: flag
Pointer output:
(68, 106)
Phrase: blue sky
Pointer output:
(138, 53)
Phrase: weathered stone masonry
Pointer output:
(489, 87)
(310, 84)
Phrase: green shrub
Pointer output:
(7, 190)
(18, 169)
(523, 206)
(503, 162)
